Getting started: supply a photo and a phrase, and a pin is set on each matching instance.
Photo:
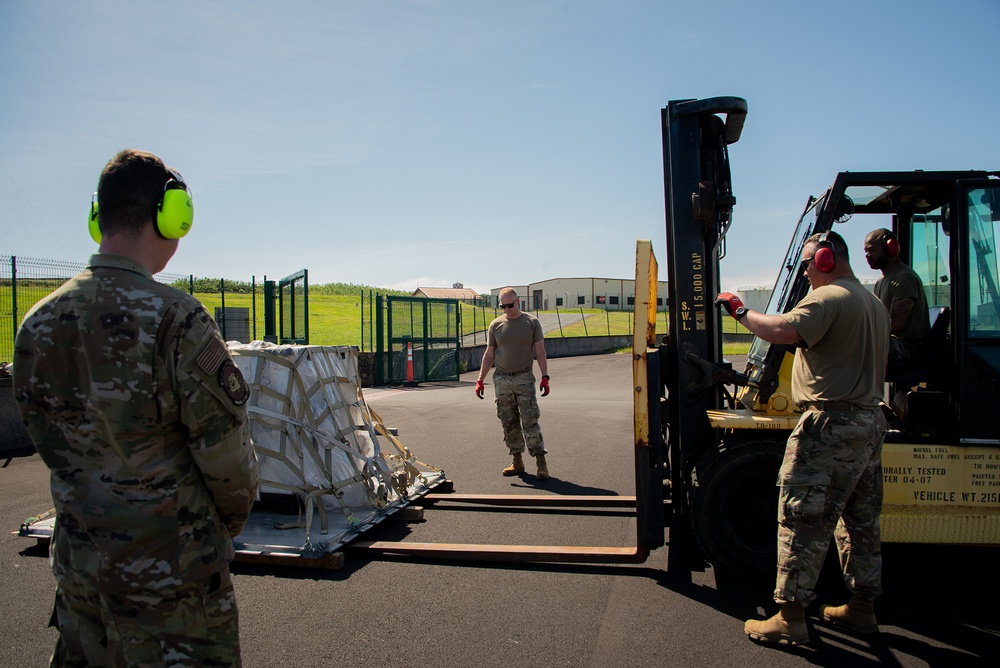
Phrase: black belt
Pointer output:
(512, 373)
(833, 406)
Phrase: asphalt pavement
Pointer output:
(939, 607)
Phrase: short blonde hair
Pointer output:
(506, 292)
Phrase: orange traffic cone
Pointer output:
(409, 364)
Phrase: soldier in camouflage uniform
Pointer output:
(831, 476)
(512, 341)
(132, 399)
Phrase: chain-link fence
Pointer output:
(476, 316)
(238, 306)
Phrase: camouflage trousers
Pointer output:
(517, 408)
(831, 486)
(194, 624)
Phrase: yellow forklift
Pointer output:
(725, 430)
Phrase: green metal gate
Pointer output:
(432, 327)
(293, 308)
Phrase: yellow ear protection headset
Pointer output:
(174, 212)
(824, 258)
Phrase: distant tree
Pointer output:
(353, 289)
(209, 285)
(215, 285)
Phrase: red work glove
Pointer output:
(479, 388)
(729, 301)
(544, 386)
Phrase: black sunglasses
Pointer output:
(510, 305)
(805, 263)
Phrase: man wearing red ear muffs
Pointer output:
(902, 292)
(830, 482)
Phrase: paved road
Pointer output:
(939, 608)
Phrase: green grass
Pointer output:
(736, 348)
(335, 313)
(335, 319)
(727, 349)
(598, 322)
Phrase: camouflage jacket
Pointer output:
(129, 394)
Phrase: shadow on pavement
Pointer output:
(7, 455)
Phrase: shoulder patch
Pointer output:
(233, 384)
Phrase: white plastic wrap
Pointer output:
(311, 429)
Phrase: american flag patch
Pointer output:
(212, 356)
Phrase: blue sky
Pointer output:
(422, 142)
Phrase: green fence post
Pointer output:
(253, 308)
(379, 342)
(270, 324)
(13, 298)
(305, 304)
(13, 292)
(222, 294)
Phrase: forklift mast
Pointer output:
(699, 207)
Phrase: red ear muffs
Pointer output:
(891, 246)
(824, 260)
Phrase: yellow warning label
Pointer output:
(941, 474)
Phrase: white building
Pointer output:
(755, 298)
(613, 294)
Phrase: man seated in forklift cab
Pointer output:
(902, 292)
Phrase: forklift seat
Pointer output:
(940, 317)
(929, 355)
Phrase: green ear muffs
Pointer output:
(174, 211)
(92, 224)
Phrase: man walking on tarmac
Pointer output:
(830, 483)
(511, 341)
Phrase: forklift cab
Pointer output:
(947, 224)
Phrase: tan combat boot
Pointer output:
(787, 627)
(857, 615)
(543, 468)
(517, 466)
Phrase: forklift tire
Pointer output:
(734, 510)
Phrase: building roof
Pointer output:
(446, 293)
